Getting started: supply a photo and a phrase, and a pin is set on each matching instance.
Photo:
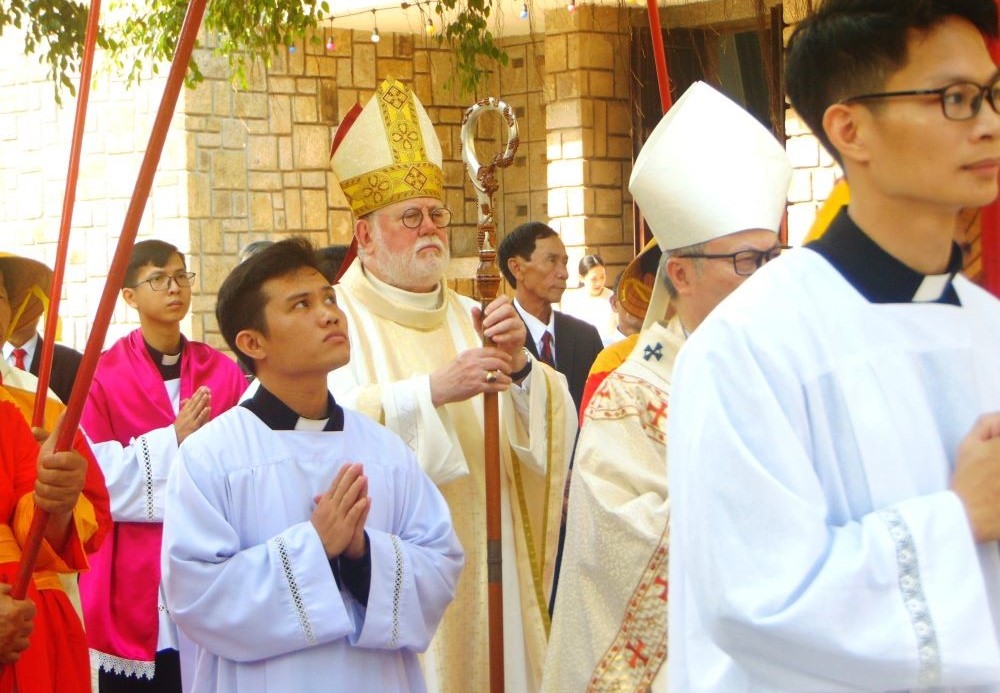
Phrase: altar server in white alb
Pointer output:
(303, 547)
(835, 438)
(609, 628)
(418, 366)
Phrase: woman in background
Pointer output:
(591, 302)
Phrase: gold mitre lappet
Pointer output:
(390, 153)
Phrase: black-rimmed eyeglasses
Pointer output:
(413, 217)
(161, 282)
(745, 262)
(959, 101)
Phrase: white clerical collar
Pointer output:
(537, 328)
(311, 424)
(420, 301)
(877, 275)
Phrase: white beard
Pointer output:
(408, 269)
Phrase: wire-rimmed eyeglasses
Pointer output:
(745, 262)
(161, 282)
(959, 101)
(413, 217)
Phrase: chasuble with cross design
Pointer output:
(609, 628)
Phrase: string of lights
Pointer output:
(429, 27)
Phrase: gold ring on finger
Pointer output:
(491, 376)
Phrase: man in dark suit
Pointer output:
(533, 260)
(24, 350)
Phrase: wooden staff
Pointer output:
(487, 285)
(69, 199)
(116, 275)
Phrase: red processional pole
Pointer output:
(659, 55)
(69, 199)
(116, 274)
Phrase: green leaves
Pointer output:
(54, 30)
(139, 36)
(471, 40)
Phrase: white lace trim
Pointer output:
(397, 588)
(119, 665)
(147, 471)
(293, 588)
(928, 650)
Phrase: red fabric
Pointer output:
(58, 648)
(19, 355)
(127, 399)
(990, 220)
(23, 395)
(345, 125)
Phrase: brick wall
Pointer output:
(35, 139)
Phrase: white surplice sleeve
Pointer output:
(283, 591)
(136, 474)
(780, 561)
(414, 568)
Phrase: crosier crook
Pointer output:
(487, 284)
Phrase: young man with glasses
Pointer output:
(609, 628)
(418, 366)
(835, 439)
(151, 390)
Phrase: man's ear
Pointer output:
(129, 295)
(363, 232)
(514, 265)
(844, 125)
(251, 343)
(680, 271)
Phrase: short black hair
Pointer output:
(241, 299)
(521, 243)
(589, 262)
(852, 47)
(252, 248)
(151, 252)
(331, 258)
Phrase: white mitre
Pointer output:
(709, 169)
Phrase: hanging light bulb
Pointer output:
(571, 6)
(375, 37)
(430, 29)
(330, 45)
(524, 10)
(291, 48)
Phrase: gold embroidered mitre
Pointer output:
(390, 153)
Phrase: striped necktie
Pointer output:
(546, 354)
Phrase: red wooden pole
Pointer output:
(659, 55)
(989, 221)
(69, 199)
(116, 274)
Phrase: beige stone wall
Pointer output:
(252, 163)
(814, 173)
(589, 142)
(259, 156)
(35, 138)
